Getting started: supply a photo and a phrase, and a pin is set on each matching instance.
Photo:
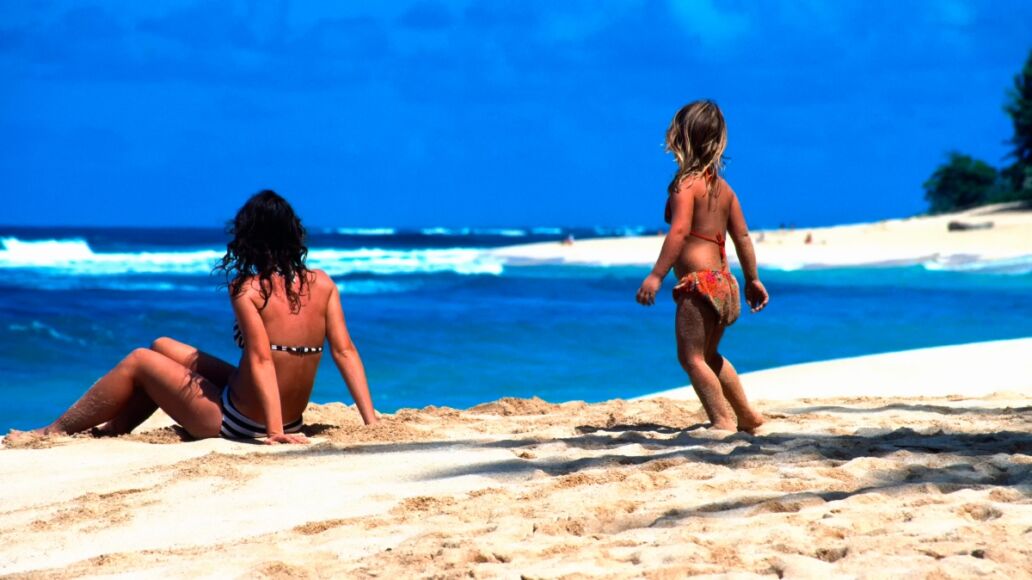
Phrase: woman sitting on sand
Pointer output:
(284, 312)
(701, 208)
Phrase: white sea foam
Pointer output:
(445, 231)
(44, 251)
(36, 327)
(784, 266)
(427, 261)
(376, 286)
(619, 231)
(366, 231)
(505, 232)
(75, 257)
(1015, 266)
(543, 231)
(152, 286)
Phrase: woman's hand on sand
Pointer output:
(647, 293)
(286, 439)
(756, 295)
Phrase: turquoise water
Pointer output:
(438, 321)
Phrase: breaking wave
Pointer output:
(74, 257)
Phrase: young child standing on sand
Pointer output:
(701, 208)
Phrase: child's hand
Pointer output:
(647, 293)
(756, 295)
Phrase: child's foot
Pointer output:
(728, 426)
(750, 423)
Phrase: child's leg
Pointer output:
(748, 417)
(190, 399)
(695, 321)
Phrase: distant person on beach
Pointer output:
(701, 208)
(284, 313)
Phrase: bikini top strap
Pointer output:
(719, 240)
(238, 337)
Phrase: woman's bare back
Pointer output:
(295, 374)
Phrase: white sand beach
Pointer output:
(968, 369)
(918, 240)
(915, 464)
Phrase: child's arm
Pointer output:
(345, 355)
(755, 294)
(681, 206)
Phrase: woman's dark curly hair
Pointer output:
(268, 239)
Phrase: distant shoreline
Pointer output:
(898, 242)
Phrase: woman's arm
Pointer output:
(681, 206)
(755, 294)
(346, 357)
(259, 360)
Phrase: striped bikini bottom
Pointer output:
(236, 426)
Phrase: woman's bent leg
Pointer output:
(695, 321)
(140, 407)
(208, 366)
(105, 399)
(190, 399)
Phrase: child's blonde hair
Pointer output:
(697, 138)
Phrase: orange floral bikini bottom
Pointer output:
(718, 287)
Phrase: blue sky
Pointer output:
(489, 112)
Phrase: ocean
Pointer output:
(439, 320)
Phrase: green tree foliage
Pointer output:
(1019, 107)
(965, 182)
(961, 183)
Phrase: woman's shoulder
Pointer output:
(320, 279)
(247, 290)
(244, 287)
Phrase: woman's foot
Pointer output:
(34, 439)
(49, 430)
